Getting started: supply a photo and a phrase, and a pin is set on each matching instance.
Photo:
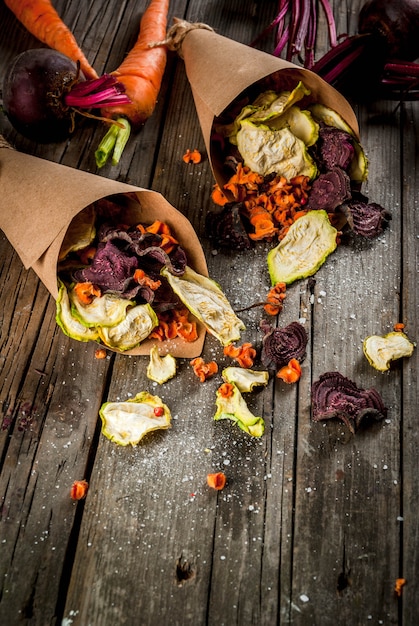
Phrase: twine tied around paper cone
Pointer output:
(177, 33)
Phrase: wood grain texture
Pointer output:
(315, 524)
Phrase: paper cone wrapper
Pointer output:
(40, 198)
(219, 70)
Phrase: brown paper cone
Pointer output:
(38, 201)
(220, 69)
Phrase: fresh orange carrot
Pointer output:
(141, 72)
(43, 22)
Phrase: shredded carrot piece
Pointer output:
(290, 373)
(279, 200)
(187, 330)
(244, 354)
(79, 489)
(143, 279)
(275, 299)
(204, 370)
(168, 242)
(226, 390)
(398, 587)
(244, 182)
(86, 292)
(217, 481)
(263, 224)
(175, 323)
(218, 197)
(100, 353)
(399, 327)
(192, 156)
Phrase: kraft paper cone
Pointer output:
(220, 69)
(40, 198)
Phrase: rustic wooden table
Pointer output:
(314, 525)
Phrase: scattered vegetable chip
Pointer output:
(382, 350)
(231, 405)
(160, 368)
(245, 379)
(335, 396)
(127, 422)
(216, 480)
(281, 345)
(304, 248)
(79, 489)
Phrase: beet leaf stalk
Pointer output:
(295, 28)
(96, 93)
(377, 62)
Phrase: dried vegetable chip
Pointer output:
(134, 328)
(160, 368)
(304, 248)
(280, 345)
(126, 423)
(382, 350)
(245, 379)
(107, 310)
(205, 299)
(68, 323)
(232, 406)
(333, 396)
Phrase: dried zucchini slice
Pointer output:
(265, 151)
(245, 379)
(80, 233)
(205, 299)
(127, 422)
(160, 368)
(322, 113)
(382, 350)
(134, 328)
(304, 248)
(300, 123)
(107, 310)
(234, 408)
(69, 324)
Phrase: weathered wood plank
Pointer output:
(309, 528)
(409, 562)
(348, 487)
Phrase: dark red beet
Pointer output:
(330, 190)
(336, 397)
(280, 345)
(33, 91)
